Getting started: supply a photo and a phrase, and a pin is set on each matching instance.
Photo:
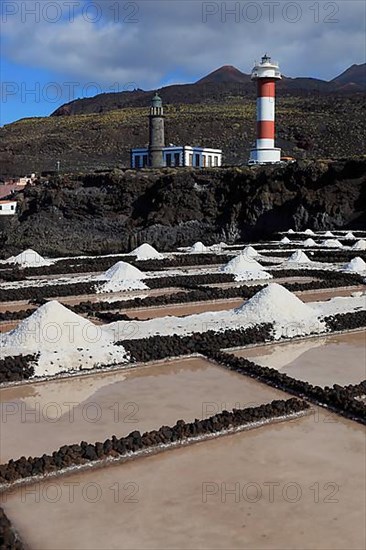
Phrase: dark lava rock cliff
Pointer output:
(115, 211)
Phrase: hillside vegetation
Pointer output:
(307, 127)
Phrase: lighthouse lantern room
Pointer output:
(265, 74)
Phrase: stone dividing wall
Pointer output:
(35, 293)
(83, 453)
(336, 278)
(183, 260)
(15, 369)
(338, 398)
(15, 315)
(189, 281)
(9, 540)
(162, 347)
(346, 321)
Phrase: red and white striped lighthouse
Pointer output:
(265, 74)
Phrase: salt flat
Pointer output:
(337, 359)
(38, 418)
(177, 499)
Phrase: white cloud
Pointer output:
(169, 37)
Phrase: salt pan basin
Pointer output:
(39, 418)
(338, 359)
(297, 485)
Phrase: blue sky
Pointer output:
(60, 50)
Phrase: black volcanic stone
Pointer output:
(90, 453)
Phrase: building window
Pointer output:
(168, 159)
(209, 160)
(191, 159)
(177, 159)
(216, 161)
(12, 207)
(144, 161)
(1, 206)
(137, 161)
(197, 158)
(204, 161)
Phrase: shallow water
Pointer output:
(323, 295)
(39, 418)
(284, 486)
(184, 309)
(72, 300)
(338, 359)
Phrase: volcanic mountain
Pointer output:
(219, 85)
(353, 78)
(226, 74)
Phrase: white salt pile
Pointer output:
(299, 257)
(332, 243)
(360, 245)
(290, 231)
(349, 236)
(122, 276)
(309, 232)
(146, 252)
(29, 258)
(328, 234)
(249, 252)
(245, 269)
(64, 340)
(309, 242)
(357, 265)
(198, 248)
(276, 304)
(285, 240)
(123, 270)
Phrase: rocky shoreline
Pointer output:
(115, 211)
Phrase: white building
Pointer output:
(27, 179)
(21, 181)
(8, 208)
(200, 157)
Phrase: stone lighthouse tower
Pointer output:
(265, 74)
(156, 129)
